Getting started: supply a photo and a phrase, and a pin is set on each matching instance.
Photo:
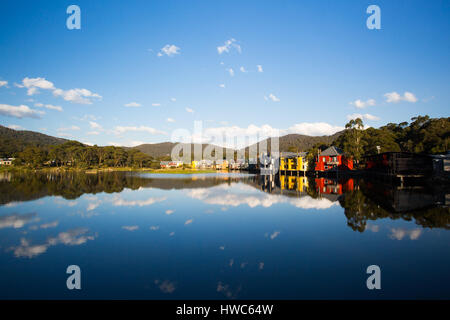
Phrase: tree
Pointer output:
(351, 141)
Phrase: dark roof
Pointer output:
(292, 154)
(332, 151)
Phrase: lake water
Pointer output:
(220, 236)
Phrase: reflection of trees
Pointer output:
(359, 208)
(71, 185)
(24, 187)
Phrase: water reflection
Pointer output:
(218, 235)
(361, 199)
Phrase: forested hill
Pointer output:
(14, 141)
(300, 142)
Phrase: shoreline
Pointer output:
(101, 170)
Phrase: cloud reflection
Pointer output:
(140, 203)
(16, 220)
(73, 237)
(165, 286)
(238, 194)
(399, 234)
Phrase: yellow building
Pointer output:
(290, 161)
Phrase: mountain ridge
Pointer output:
(13, 141)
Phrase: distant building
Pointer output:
(202, 164)
(171, 164)
(221, 165)
(6, 161)
(333, 158)
(441, 163)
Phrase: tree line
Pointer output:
(76, 154)
(422, 135)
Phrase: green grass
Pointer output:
(180, 171)
(107, 169)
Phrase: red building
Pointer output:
(333, 158)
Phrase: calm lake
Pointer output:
(220, 236)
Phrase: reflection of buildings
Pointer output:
(403, 199)
(330, 186)
(372, 200)
(294, 183)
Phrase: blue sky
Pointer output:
(320, 66)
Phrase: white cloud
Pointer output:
(188, 221)
(394, 97)
(33, 84)
(95, 126)
(20, 112)
(169, 50)
(410, 97)
(81, 96)
(169, 212)
(135, 143)
(132, 104)
(231, 71)
(156, 104)
(170, 120)
(123, 129)
(173, 99)
(93, 133)
(273, 98)
(48, 106)
(189, 110)
(15, 127)
(366, 116)
(314, 128)
(242, 69)
(238, 137)
(260, 68)
(3, 83)
(228, 45)
(222, 85)
(363, 104)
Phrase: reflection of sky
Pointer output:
(227, 241)
(238, 194)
